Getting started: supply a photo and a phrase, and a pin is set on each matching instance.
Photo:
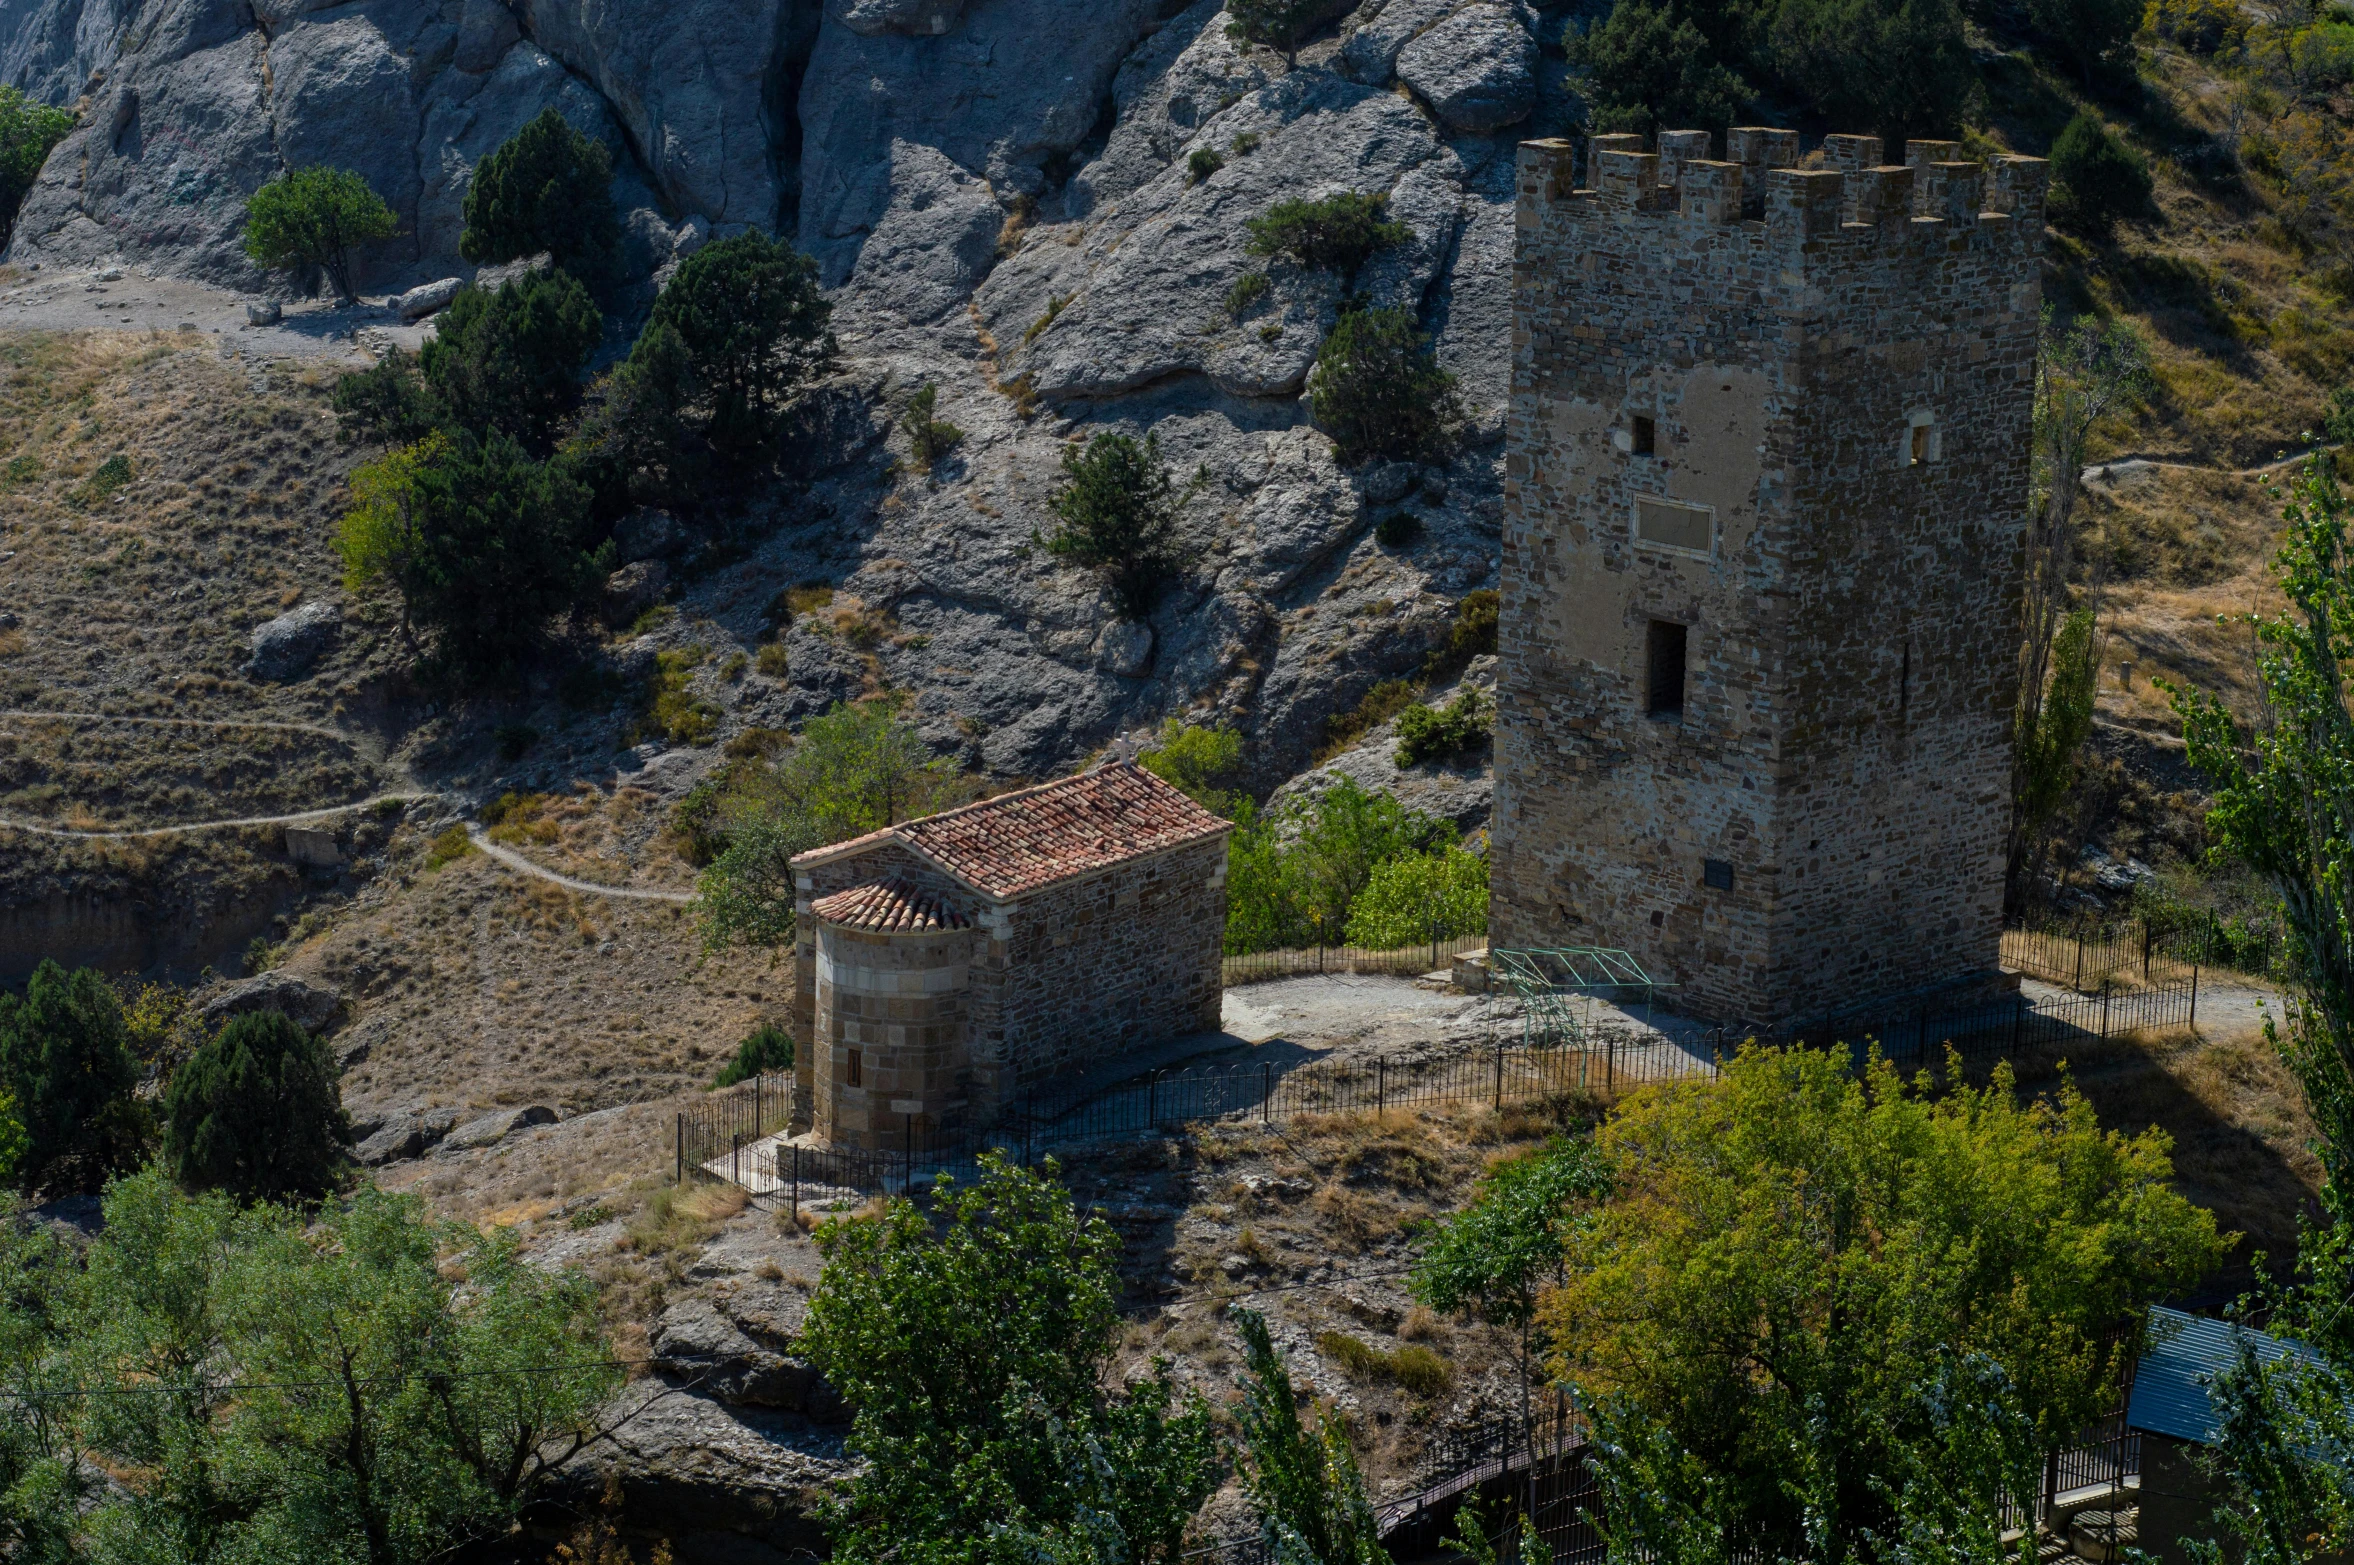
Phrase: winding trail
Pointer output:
(127, 834)
(337, 735)
(521, 865)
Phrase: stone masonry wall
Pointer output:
(1824, 819)
(899, 1000)
(1059, 982)
(1089, 968)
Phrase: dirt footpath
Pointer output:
(113, 298)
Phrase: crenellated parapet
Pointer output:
(1934, 201)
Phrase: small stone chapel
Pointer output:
(949, 964)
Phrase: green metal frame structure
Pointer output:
(1557, 987)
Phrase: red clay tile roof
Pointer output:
(1018, 842)
(891, 907)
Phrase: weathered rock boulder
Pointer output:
(285, 648)
(737, 1356)
(633, 589)
(406, 1133)
(1477, 69)
(1383, 28)
(426, 298)
(310, 1006)
(491, 1129)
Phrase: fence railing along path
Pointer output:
(1426, 956)
(737, 1133)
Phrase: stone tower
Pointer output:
(1765, 491)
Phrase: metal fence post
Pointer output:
(1380, 1087)
(2104, 1012)
(1499, 1077)
(2077, 983)
(1266, 1094)
(2194, 997)
(796, 1184)
(757, 1121)
(735, 1157)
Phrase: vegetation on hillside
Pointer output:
(28, 129)
(316, 217)
(548, 189)
(1116, 510)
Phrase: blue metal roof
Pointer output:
(2170, 1386)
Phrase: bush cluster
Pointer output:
(1428, 733)
(1295, 874)
(1336, 233)
(2097, 179)
(1116, 513)
(1378, 391)
(28, 129)
(548, 189)
(768, 1050)
(316, 217)
(256, 1112)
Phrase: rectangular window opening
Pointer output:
(853, 1070)
(1646, 436)
(1666, 669)
(1920, 444)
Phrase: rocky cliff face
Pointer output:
(999, 193)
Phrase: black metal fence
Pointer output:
(2088, 954)
(1424, 956)
(719, 1133)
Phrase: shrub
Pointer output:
(1198, 762)
(768, 1050)
(386, 403)
(481, 542)
(23, 469)
(2088, 32)
(255, 1112)
(1421, 896)
(929, 438)
(677, 713)
(1116, 512)
(548, 187)
(315, 217)
(2199, 26)
(511, 361)
(1414, 1367)
(1294, 874)
(109, 476)
(772, 659)
(28, 129)
(1397, 530)
(1203, 162)
(450, 846)
(1336, 234)
(1278, 24)
(65, 1057)
(1473, 634)
(2100, 178)
(1248, 290)
(751, 322)
(1378, 390)
(1385, 700)
(1648, 65)
(1425, 733)
(1244, 144)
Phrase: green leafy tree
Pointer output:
(387, 403)
(482, 543)
(768, 1048)
(2089, 33)
(2101, 180)
(510, 361)
(1198, 762)
(1294, 874)
(65, 1058)
(972, 1353)
(1116, 511)
(1420, 896)
(638, 441)
(1791, 1246)
(2044, 760)
(256, 1112)
(1279, 24)
(748, 313)
(2088, 372)
(547, 188)
(1377, 388)
(853, 770)
(1652, 64)
(1429, 733)
(1338, 233)
(28, 129)
(316, 217)
(1900, 67)
(1511, 1240)
(1305, 1483)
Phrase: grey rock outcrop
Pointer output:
(737, 1355)
(406, 1134)
(633, 589)
(491, 1129)
(426, 298)
(285, 648)
(1477, 69)
(309, 1006)
(647, 535)
(1459, 788)
(1370, 53)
